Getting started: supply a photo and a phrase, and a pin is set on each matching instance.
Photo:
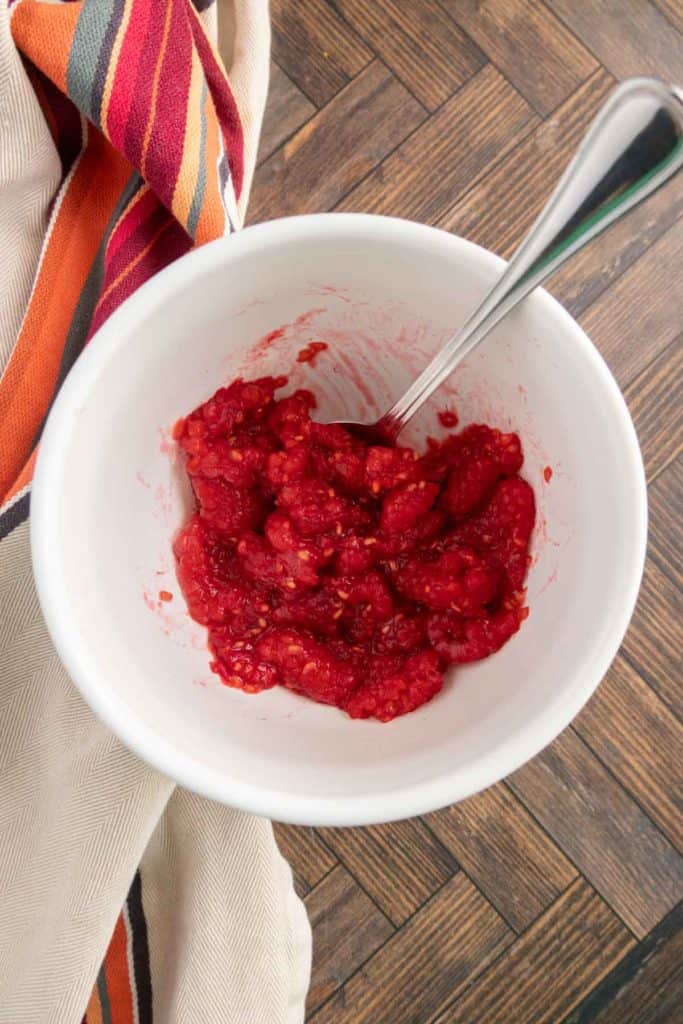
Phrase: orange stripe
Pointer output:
(94, 1012)
(118, 979)
(29, 380)
(211, 223)
(186, 182)
(45, 32)
(155, 90)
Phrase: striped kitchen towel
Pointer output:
(123, 143)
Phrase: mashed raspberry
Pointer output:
(352, 574)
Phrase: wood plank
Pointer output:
(337, 147)
(286, 110)
(646, 987)
(630, 37)
(641, 742)
(421, 968)
(400, 864)
(654, 399)
(309, 857)
(550, 968)
(317, 49)
(589, 272)
(666, 523)
(602, 830)
(503, 850)
(654, 640)
(449, 153)
(347, 929)
(419, 42)
(641, 313)
(497, 211)
(673, 10)
(529, 45)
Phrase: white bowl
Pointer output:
(109, 494)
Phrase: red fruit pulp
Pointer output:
(351, 574)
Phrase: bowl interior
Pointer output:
(110, 494)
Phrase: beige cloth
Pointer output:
(229, 940)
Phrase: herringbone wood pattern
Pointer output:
(552, 897)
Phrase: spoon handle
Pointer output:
(634, 145)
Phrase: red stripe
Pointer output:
(138, 238)
(140, 112)
(125, 84)
(223, 101)
(165, 147)
(145, 202)
(171, 243)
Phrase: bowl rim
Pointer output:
(157, 750)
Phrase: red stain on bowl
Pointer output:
(547, 474)
(166, 445)
(448, 418)
(261, 347)
(310, 353)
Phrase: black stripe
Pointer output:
(138, 925)
(15, 515)
(627, 969)
(203, 5)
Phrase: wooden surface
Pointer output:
(552, 897)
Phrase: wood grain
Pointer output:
(639, 315)
(401, 864)
(508, 856)
(497, 211)
(641, 742)
(629, 37)
(654, 399)
(602, 830)
(304, 850)
(581, 939)
(435, 955)
(654, 641)
(666, 522)
(447, 155)
(347, 929)
(318, 50)
(646, 987)
(673, 10)
(419, 42)
(337, 147)
(287, 109)
(529, 45)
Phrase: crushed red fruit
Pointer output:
(310, 352)
(351, 574)
(448, 418)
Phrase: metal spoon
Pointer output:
(634, 145)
